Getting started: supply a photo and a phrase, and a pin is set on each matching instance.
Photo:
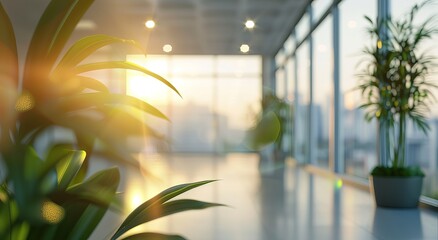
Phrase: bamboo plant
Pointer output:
(47, 196)
(395, 86)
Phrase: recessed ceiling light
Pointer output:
(249, 24)
(167, 48)
(150, 24)
(244, 48)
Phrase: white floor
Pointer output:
(267, 204)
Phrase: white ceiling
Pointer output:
(190, 26)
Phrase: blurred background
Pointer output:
(224, 56)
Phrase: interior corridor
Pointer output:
(267, 202)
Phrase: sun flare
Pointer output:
(145, 87)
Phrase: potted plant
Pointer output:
(396, 91)
(47, 195)
(270, 127)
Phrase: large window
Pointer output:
(290, 98)
(280, 83)
(312, 125)
(422, 149)
(323, 90)
(303, 104)
(302, 28)
(360, 148)
(220, 99)
(319, 7)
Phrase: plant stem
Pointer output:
(395, 149)
(387, 143)
(402, 138)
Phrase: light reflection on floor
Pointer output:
(267, 204)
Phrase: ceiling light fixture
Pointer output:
(167, 48)
(150, 24)
(244, 48)
(249, 24)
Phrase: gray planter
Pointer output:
(396, 192)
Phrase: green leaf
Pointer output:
(265, 132)
(127, 121)
(100, 183)
(77, 84)
(159, 210)
(24, 168)
(153, 236)
(69, 167)
(135, 217)
(122, 65)
(88, 205)
(87, 46)
(368, 19)
(87, 223)
(8, 49)
(9, 77)
(98, 99)
(52, 32)
(8, 212)
(91, 83)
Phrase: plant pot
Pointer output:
(396, 192)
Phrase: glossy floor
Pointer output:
(267, 203)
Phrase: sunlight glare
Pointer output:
(146, 87)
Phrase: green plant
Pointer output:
(394, 83)
(49, 197)
(271, 123)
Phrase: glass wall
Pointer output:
(323, 90)
(289, 140)
(280, 83)
(303, 104)
(319, 7)
(360, 136)
(220, 100)
(358, 139)
(302, 28)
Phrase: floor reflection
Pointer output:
(397, 223)
(268, 202)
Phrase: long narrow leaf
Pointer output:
(90, 83)
(56, 153)
(93, 100)
(87, 46)
(87, 223)
(159, 210)
(122, 65)
(153, 236)
(66, 27)
(134, 218)
(9, 76)
(8, 49)
(55, 27)
(43, 37)
(69, 167)
(90, 202)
